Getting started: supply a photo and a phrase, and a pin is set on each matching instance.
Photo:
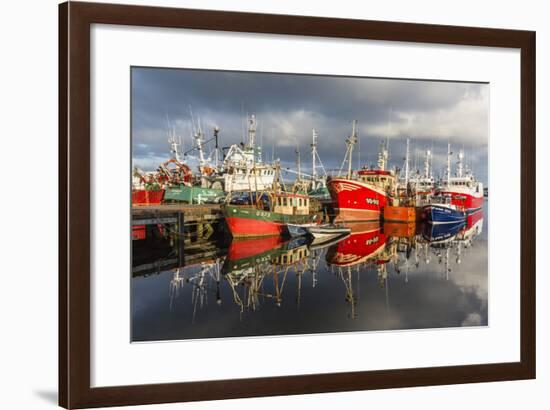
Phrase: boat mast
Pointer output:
(449, 153)
(313, 155)
(351, 141)
(216, 149)
(427, 162)
(406, 166)
(199, 141)
(383, 156)
(174, 147)
(298, 165)
(251, 131)
(459, 167)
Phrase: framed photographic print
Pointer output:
(255, 205)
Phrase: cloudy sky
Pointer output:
(288, 106)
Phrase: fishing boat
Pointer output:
(327, 231)
(188, 187)
(442, 211)
(146, 189)
(270, 213)
(464, 189)
(269, 217)
(243, 168)
(183, 186)
(237, 168)
(361, 196)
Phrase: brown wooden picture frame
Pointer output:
(75, 20)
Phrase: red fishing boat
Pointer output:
(267, 217)
(147, 197)
(151, 188)
(268, 213)
(362, 195)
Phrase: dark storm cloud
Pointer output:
(289, 106)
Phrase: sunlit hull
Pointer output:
(244, 221)
(356, 201)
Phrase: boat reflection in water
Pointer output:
(379, 277)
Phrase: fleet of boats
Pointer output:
(257, 202)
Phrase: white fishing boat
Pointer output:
(243, 168)
(327, 230)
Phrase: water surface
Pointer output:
(381, 277)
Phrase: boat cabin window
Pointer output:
(291, 204)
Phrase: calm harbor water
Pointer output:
(381, 277)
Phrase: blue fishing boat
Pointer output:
(443, 214)
(442, 211)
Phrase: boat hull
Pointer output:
(247, 221)
(193, 194)
(356, 201)
(469, 202)
(438, 214)
(145, 197)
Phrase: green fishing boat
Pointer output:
(193, 194)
